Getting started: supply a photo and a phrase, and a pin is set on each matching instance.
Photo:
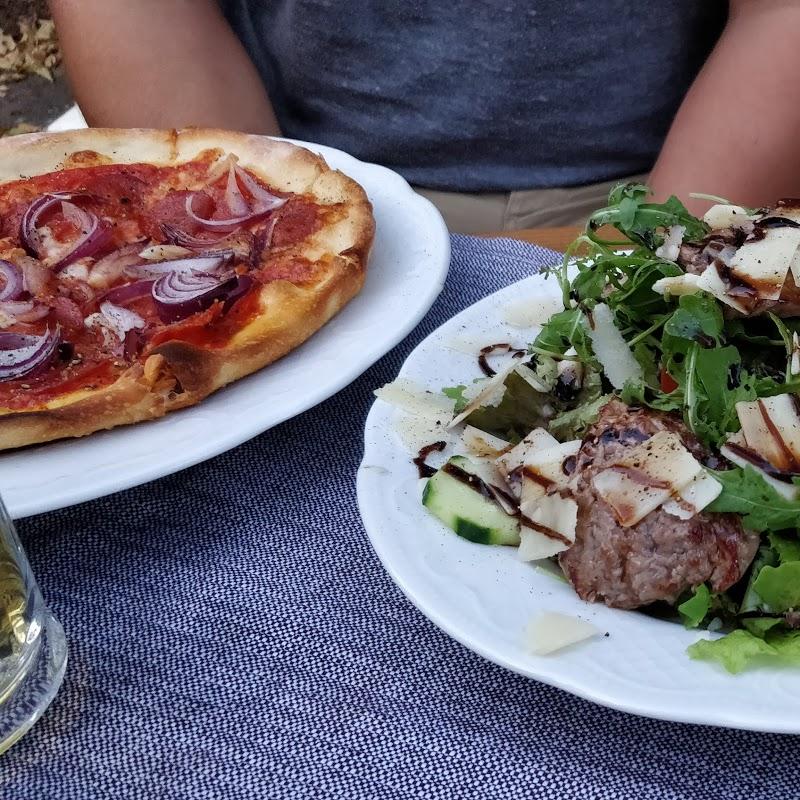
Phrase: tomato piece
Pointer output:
(668, 383)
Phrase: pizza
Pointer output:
(142, 270)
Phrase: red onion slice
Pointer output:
(180, 294)
(21, 354)
(264, 200)
(237, 205)
(28, 234)
(263, 241)
(94, 235)
(13, 285)
(224, 225)
(176, 236)
(207, 264)
(242, 287)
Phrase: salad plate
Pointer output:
(494, 602)
(407, 268)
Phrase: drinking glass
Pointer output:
(33, 650)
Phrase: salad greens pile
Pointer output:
(697, 362)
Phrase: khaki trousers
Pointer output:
(534, 208)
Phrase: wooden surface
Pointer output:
(554, 238)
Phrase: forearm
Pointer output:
(736, 133)
(161, 64)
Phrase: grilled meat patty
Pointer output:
(661, 556)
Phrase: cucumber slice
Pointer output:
(465, 509)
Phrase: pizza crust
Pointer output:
(179, 374)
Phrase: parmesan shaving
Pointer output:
(531, 312)
(711, 282)
(411, 397)
(788, 490)
(537, 439)
(694, 497)
(764, 263)
(611, 349)
(678, 286)
(483, 444)
(550, 631)
(491, 392)
(771, 428)
(726, 216)
(646, 476)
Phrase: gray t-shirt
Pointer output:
(487, 95)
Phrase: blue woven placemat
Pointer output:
(232, 635)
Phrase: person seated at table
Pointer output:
(509, 115)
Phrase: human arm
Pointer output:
(735, 134)
(160, 64)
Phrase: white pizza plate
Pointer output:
(485, 597)
(406, 272)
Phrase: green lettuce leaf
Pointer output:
(572, 424)
(456, 393)
(741, 648)
(694, 610)
(751, 601)
(520, 411)
(786, 548)
(779, 587)
(761, 626)
(734, 652)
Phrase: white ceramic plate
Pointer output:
(484, 596)
(406, 272)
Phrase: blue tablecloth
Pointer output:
(232, 635)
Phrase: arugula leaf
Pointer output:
(694, 610)
(456, 393)
(643, 222)
(779, 587)
(634, 300)
(648, 361)
(734, 651)
(711, 403)
(745, 492)
(697, 316)
(562, 331)
(640, 394)
(591, 279)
